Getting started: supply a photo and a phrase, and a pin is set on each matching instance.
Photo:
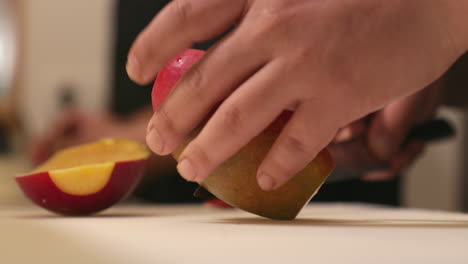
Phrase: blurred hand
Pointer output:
(75, 127)
(330, 61)
(387, 129)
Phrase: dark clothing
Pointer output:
(132, 16)
(381, 192)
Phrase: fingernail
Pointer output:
(186, 170)
(266, 182)
(343, 135)
(133, 68)
(155, 141)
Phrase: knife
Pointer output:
(354, 158)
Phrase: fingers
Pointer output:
(299, 143)
(251, 108)
(407, 156)
(388, 129)
(379, 175)
(205, 85)
(391, 125)
(353, 130)
(176, 27)
(399, 163)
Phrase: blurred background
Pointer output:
(64, 60)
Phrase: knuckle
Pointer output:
(285, 173)
(271, 21)
(296, 145)
(296, 152)
(195, 78)
(193, 83)
(276, 27)
(344, 74)
(165, 121)
(183, 9)
(200, 154)
(281, 170)
(274, 16)
(143, 46)
(231, 118)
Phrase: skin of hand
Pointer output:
(386, 129)
(75, 126)
(332, 62)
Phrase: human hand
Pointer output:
(330, 61)
(386, 130)
(75, 127)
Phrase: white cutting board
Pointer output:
(333, 233)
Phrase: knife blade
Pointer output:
(354, 158)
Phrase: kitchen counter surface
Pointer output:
(323, 233)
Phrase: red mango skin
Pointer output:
(215, 202)
(284, 203)
(40, 189)
(171, 74)
(167, 78)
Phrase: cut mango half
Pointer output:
(83, 180)
(86, 178)
(86, 169)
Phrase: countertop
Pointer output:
(323, 233)
(137, 233)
